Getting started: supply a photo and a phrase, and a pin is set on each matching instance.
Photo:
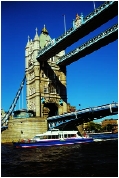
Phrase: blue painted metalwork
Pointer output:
(61, 102)
(79, 115)
(23, 113)
(88, 44)
(4, 128)
(98, 10)
(42, 100)
(85, 20)
(4, 120)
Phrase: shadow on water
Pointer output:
(96, 159)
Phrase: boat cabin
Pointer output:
(56, 134)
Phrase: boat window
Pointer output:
(65, 135)
(49, 136)
(45, 137)
(52, 136)
(73, 135)
(41, 137)
(60, 135)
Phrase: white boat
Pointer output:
(52, 138)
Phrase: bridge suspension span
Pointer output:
(5, 119)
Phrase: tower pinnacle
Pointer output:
(36, 31)
(44, 30)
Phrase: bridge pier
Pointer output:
(23, 128)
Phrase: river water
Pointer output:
(96, 159)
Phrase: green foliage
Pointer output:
(94, 127)
(108, 127)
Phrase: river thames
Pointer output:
(96, 159)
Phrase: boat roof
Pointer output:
(56, 132)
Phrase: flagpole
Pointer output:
(64, 24)
(94, 4)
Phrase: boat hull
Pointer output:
(46, 143)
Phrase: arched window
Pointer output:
(45, 89)
(51, 88)
(42, 74)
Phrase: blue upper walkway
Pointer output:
(99, 16)
(88, 47)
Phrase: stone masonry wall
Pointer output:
(23, 129)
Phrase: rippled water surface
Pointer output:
(97, 159)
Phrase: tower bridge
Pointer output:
(45, 69)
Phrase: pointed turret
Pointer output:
(44, 30)
(36, 35)
(27, 45)
(36, 45)
(27, 52)
(44, 37)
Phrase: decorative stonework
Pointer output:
(46, 82)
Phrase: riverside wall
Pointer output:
(23, 128)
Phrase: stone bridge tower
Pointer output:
(45, 81)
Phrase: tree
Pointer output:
(108, 127)
(93, 126)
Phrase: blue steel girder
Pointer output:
(88, 47)
(99, 16)
(83, 115)
(5, 119)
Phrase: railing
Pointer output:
(57, 121)
(88, 43)
(86, 110)
(98, 10)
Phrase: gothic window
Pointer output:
(52, 88)
(45, 89)
(42, 74)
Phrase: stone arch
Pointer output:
(52, 107)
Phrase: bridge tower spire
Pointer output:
(45, 81)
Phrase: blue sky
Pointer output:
(91, 81)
